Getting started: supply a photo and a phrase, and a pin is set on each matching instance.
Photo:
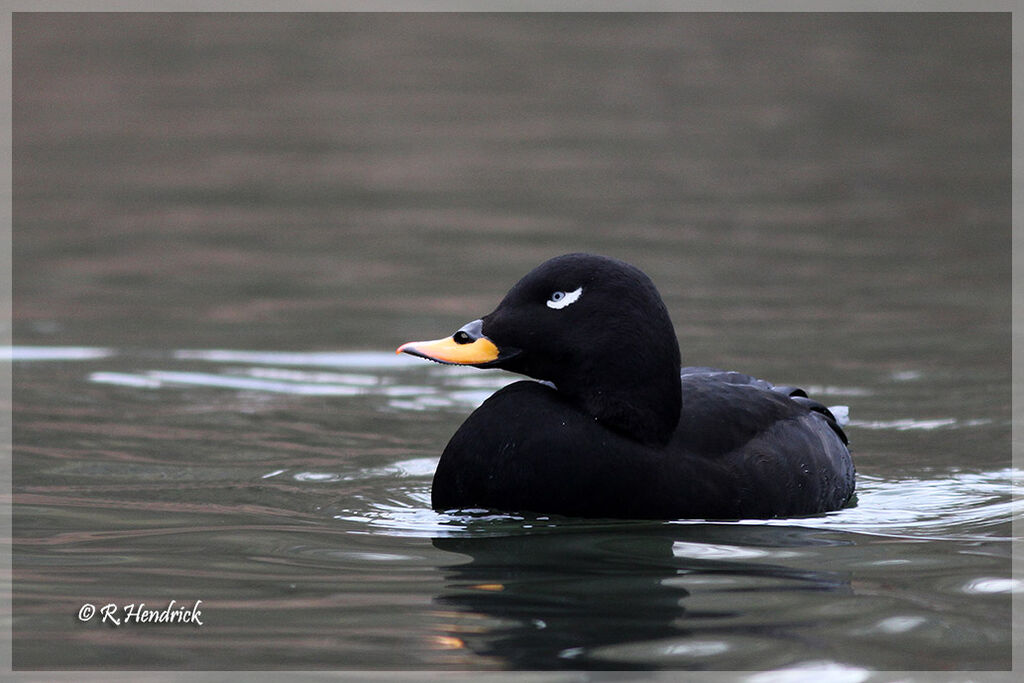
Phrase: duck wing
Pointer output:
(795, 394)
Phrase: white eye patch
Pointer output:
(563, 299)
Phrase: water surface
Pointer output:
(224, 225)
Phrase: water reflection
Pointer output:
(404, 382)
(293, 469)
(592, 597)
(951, 504)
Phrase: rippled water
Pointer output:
(224, 225)
(240, 479)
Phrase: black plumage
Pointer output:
(617, 429)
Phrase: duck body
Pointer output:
(615, 428)
(741, 451)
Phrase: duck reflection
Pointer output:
(562, 598)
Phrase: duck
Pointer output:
(610, 425)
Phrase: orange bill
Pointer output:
(447, 350)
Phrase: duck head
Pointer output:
(593, 326)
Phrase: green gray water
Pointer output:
(224, 224)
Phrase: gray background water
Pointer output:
(823, 199)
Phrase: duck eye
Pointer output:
(562, 299)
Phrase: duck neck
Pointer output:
(642, 404)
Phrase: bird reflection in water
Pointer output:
(580, 598)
